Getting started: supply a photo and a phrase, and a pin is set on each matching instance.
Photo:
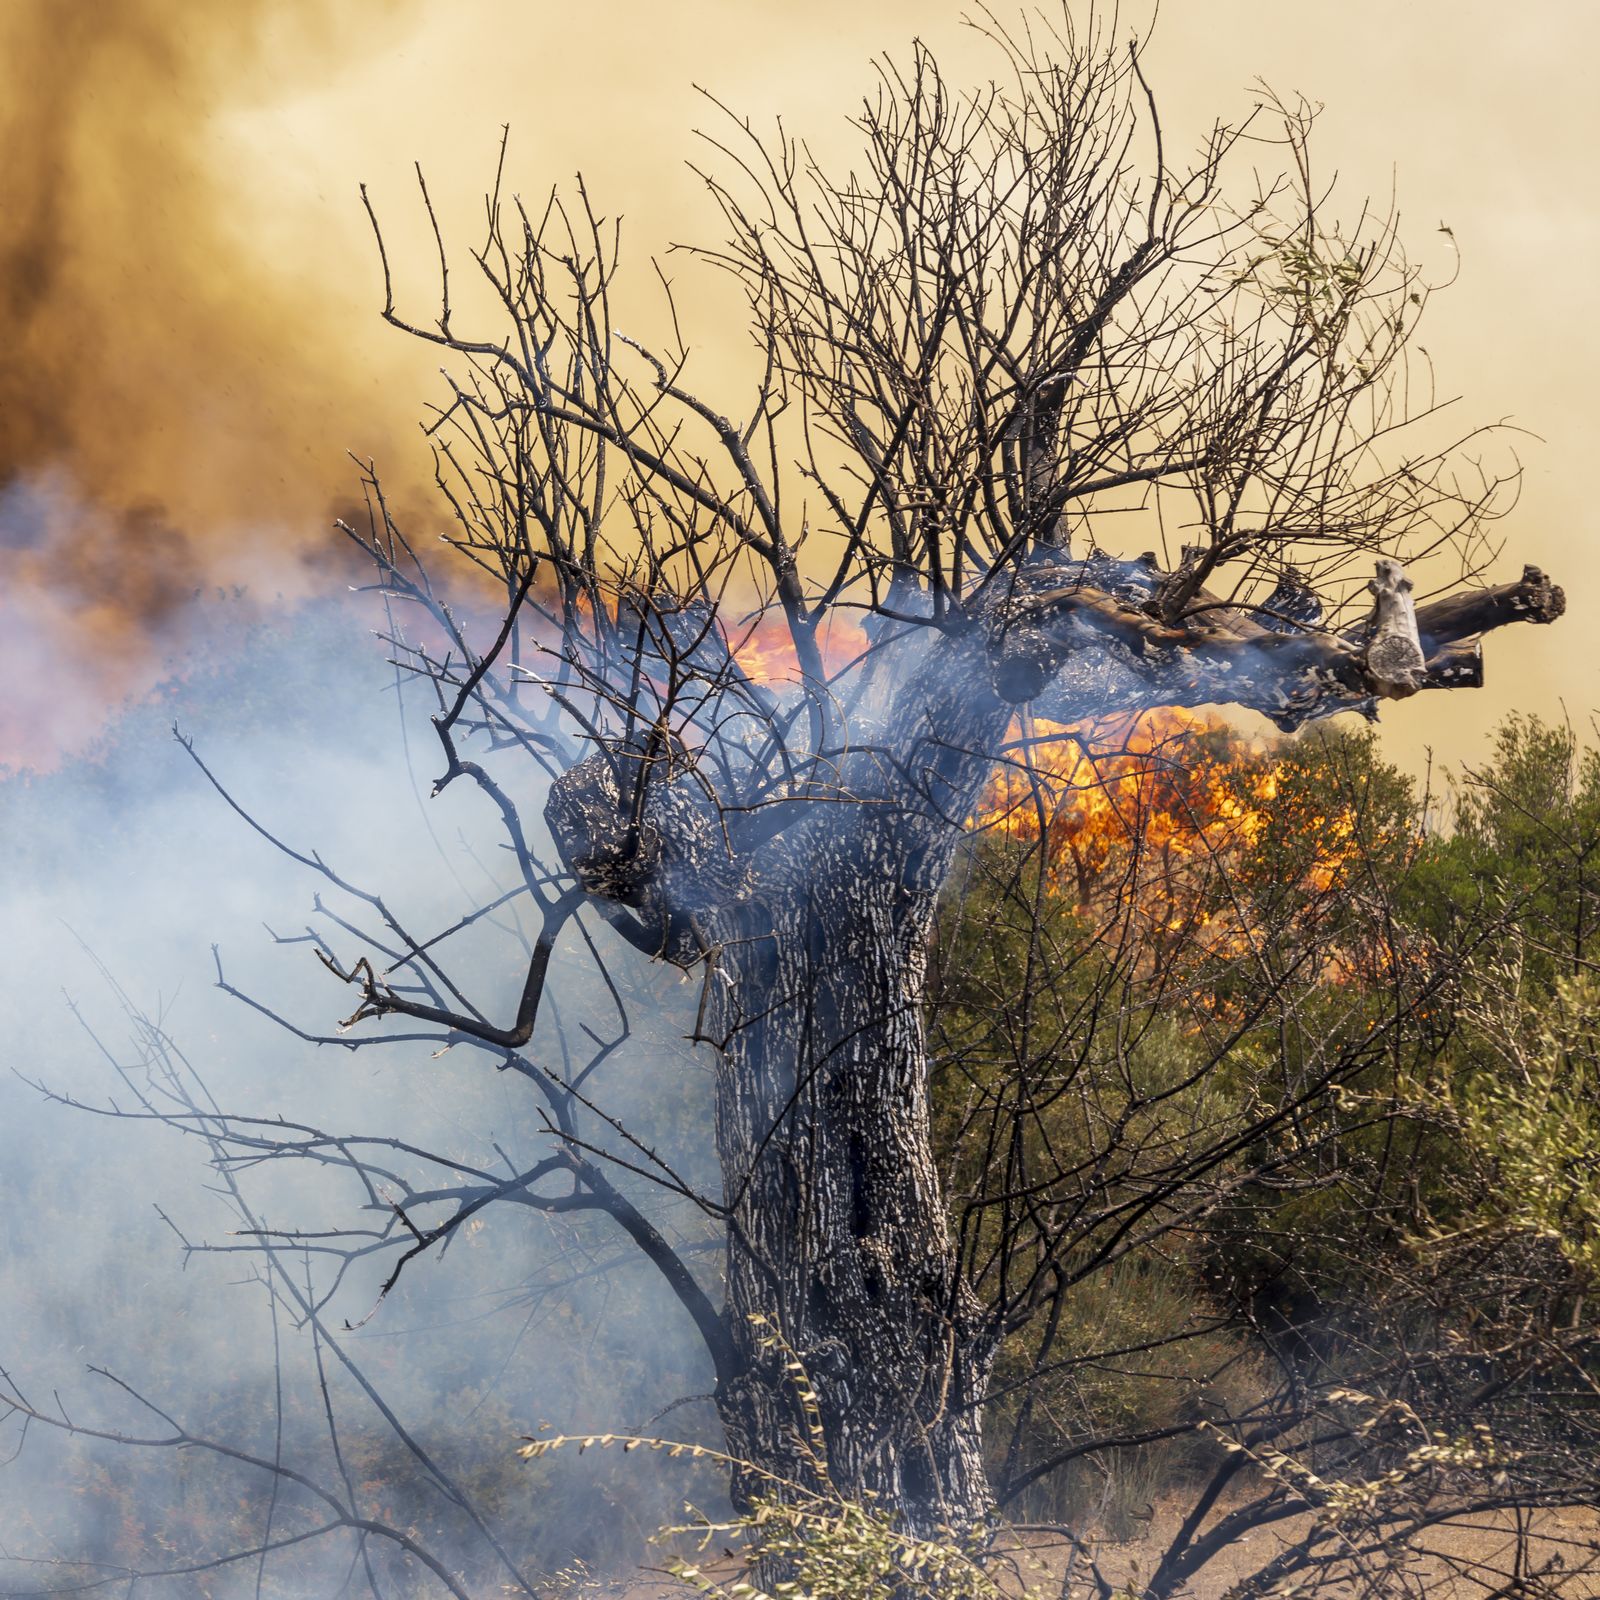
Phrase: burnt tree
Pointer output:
(1014, 348)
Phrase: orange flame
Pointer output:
(1150, 812)
(1147, 810)
(765, 650)
(1093, 787)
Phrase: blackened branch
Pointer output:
(378, 999)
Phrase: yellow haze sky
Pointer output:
(1482, 116)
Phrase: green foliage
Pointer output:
(832, 1548)
(1528, 1106)
(1403, 977)
(1521, 848)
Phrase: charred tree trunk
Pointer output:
(838, 1239)
(838, 1236)
(815, 943)
(839, 1246)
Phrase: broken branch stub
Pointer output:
(1395, 664)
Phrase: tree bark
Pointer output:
(838, 1240)
(838, 1237)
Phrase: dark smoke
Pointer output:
(171, 370)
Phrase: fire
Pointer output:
(1094, 788)
(1154, 812)
(764, 649)
(1150, 812)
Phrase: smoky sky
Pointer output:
(191, 294)
(170, 412)
(154, 350)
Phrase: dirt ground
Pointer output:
(1478, 1561)
(1566, 1543)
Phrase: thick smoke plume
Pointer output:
(172, 409)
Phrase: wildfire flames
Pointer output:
(765, 651)
(1155, 812)
(1151, 809)
(1172, 783)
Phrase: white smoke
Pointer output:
(120, 874)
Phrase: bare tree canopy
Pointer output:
(1016, 327)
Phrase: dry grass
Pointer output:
(1482, 1560)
